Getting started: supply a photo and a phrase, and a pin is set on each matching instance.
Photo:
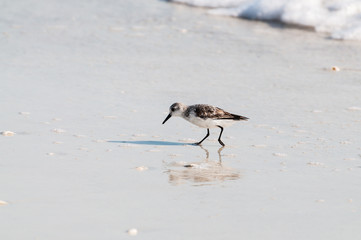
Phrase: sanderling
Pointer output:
(204, 116)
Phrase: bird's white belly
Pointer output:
(209, 123)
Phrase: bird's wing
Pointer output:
(208, 111)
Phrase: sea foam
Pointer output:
(341, 19)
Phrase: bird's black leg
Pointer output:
(198, 143)
(220, 135)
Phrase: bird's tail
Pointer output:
(238, 117)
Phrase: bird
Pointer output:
(204, 116)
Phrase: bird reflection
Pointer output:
(201, 173)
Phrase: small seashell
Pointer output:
(132, 231)
(335, 68)
(58, 130)
(190, 165)
(24, 113)
(354, 108)
(141, 168)
(7, 133)
(3, 203)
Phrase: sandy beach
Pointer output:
(86, 85)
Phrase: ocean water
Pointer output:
(341, 19)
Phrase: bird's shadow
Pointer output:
(157, 143)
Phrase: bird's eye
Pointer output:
(172, 109)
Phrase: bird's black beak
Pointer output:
(169, 115)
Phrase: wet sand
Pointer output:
(86, 86)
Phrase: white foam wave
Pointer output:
(340, 18)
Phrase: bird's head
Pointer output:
(176, 110)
